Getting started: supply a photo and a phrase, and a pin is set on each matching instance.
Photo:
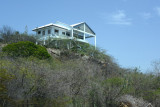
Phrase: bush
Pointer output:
(21, 37)
(8, 35)
(41, 53)
(26, 49)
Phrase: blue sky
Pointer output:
(129, 30)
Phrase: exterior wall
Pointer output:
(52, 34)
(60, 31)
(59, 35)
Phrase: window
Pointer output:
(63, 33)
(49, 31)
(39, 32)
(56, 31)
(68, 33)
(43, 32)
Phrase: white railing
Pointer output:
(54, 36)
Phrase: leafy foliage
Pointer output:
(71, 83)
(5, 77)
(26, 49)
(8, 35)
(30, 80)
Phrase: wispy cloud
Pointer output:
(157, 9)
(146, 15)
(119, 17)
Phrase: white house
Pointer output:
(80, 32)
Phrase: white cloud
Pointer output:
(119, 17)
(146, 15)
(157, 9)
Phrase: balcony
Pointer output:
(56, 36)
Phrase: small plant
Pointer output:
(26, 49)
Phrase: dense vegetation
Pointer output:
(27, 80)
(26, 49)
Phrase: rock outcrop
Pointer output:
(130, 101)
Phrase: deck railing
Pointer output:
(54, 36)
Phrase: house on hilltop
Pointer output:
(80, 32)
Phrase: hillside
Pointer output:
(76, 77)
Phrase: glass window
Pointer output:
(56, 31)
(39, 32)
(49, 31)
(63, 33)
(68, 33)
(43, 32)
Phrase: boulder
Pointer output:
(130, 101)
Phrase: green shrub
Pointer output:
(26, 49)
(41, 53)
